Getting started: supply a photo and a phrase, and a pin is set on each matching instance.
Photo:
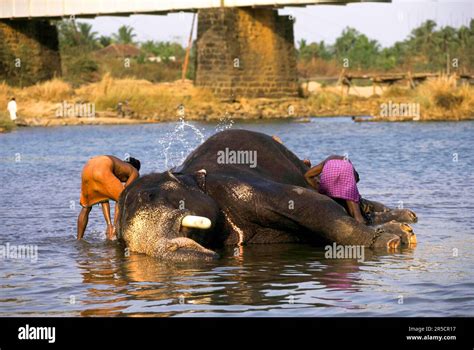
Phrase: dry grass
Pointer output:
(144, 97)
(441, 99)
(54, 90)
(325, 100)
(395, 91)
(6, 92)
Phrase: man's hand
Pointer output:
(313, 182)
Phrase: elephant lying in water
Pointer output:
(213, 199)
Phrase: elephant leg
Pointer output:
(368, 206)
(378, 213)
(399, 215)
(319, 215)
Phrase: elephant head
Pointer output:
(168, 215)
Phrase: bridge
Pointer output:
(244, 47)
(11, 9)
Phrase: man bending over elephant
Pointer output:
(102, 179)
(338, 180)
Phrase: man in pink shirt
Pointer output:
(338, 180)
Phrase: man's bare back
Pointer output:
(102, 180)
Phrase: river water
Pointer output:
(427, 167)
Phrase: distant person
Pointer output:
(120, 112)
(102, 180)
(338, 180)
(12, 108)
(127, 110)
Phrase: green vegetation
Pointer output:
(6, 123)
(84, 61)
(427, 49)
(125, 35)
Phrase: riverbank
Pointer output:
(131, 101)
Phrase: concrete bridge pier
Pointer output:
(29, 51)
(246, 52)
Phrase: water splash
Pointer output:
(180, 142)
(186, 137)
(225, 123)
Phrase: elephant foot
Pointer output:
(386, 240)
(400, 215)
(405, 215)
(402, 230)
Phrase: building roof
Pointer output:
(119, 50)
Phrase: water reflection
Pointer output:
(260, 275)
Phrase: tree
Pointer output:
(313, 50)
(357, 48)
(423, 37)
(72, 34)
(86, 35)
(124, 35)
(105, 41)
(67, 34)
(163, 49)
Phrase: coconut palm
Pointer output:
(124, 35)
(88, 37)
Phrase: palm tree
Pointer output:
(67, 33)
(423, 36)
(447, 36)
(105, 41)
(125, 35)
(88, 37)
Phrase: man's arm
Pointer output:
(316, 170)
(134, 174)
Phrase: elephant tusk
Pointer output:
(194, 221)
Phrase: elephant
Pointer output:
(242, 187)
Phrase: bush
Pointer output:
(80, 68)
(325, 100)
(448, 100)
(5, 122)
